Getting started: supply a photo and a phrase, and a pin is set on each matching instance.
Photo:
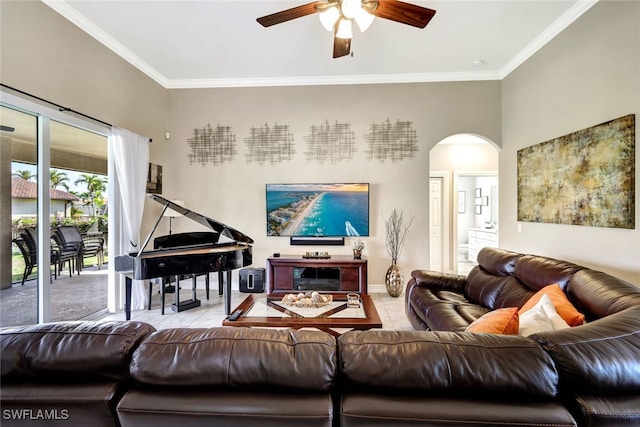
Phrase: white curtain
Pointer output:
(131, 157)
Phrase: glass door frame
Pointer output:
(44, 116)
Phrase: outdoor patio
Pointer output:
(73, 298)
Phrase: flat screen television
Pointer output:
(318, 210)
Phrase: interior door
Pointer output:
(436, 223)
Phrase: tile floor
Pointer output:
(211, 312)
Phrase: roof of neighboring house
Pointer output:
(22, 189)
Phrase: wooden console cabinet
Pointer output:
(293, 273)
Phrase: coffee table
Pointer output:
(268, 311)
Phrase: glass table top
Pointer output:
(265, 306)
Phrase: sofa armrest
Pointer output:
(600, 357)
(437, 280)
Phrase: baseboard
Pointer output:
(377, 289)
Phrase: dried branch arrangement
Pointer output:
(396, 232)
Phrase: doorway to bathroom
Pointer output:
(463, 201)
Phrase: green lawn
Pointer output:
(17, 267)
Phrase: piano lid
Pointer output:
(218, 227)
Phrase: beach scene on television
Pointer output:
(317, 210)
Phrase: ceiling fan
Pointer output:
(338, 16)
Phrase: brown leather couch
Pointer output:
(127, 374)
(89, 374)
(63, 374)
(598, 363)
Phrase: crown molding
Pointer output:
(333, 80)
(547, 35)
(79, 20)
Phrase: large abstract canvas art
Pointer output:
(583, 178)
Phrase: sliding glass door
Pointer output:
(54, 180)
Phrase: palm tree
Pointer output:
(25, 174)
(95, 187)
(58, 178)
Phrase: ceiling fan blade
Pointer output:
(405, 13)
(289, 14)
(341, 47)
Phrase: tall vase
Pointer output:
(393, 280)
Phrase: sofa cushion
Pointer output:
(485, 288)
(541, 317)
(599, 358)
(227, 408)
(501, 321)
(438, 280)
(486, 281)
(536, 272)
(608, 411)
(383, 410)
(83, 351)
(439, 362)
(497, 262)
(452, 317)
(60, 404)
(236, 358)
(563, 306)
(442, 309)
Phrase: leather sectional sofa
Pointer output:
(128, 374)
(598, 381)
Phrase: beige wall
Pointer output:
(587, 75)
(234, 192)
(45, 55)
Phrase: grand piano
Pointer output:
(221, 250)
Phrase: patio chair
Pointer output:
(59, 255)
(86, 245)
(29, 258)
(93, 245)
(69, 239)
(64, 256)
(27, 243)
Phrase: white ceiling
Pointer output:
(218, 43)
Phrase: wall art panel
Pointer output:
(396, 141)
(330, 142)
(583, 178)
(273, 144)
(212, 145)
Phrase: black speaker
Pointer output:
(252, 280)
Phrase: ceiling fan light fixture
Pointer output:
(329, 17)
(345, 30)
(350, 8)
(364, 19)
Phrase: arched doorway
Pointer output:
(463, 195)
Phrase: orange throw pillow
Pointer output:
(563, 306)
(501, 321)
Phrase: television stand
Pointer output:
(296, 273)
